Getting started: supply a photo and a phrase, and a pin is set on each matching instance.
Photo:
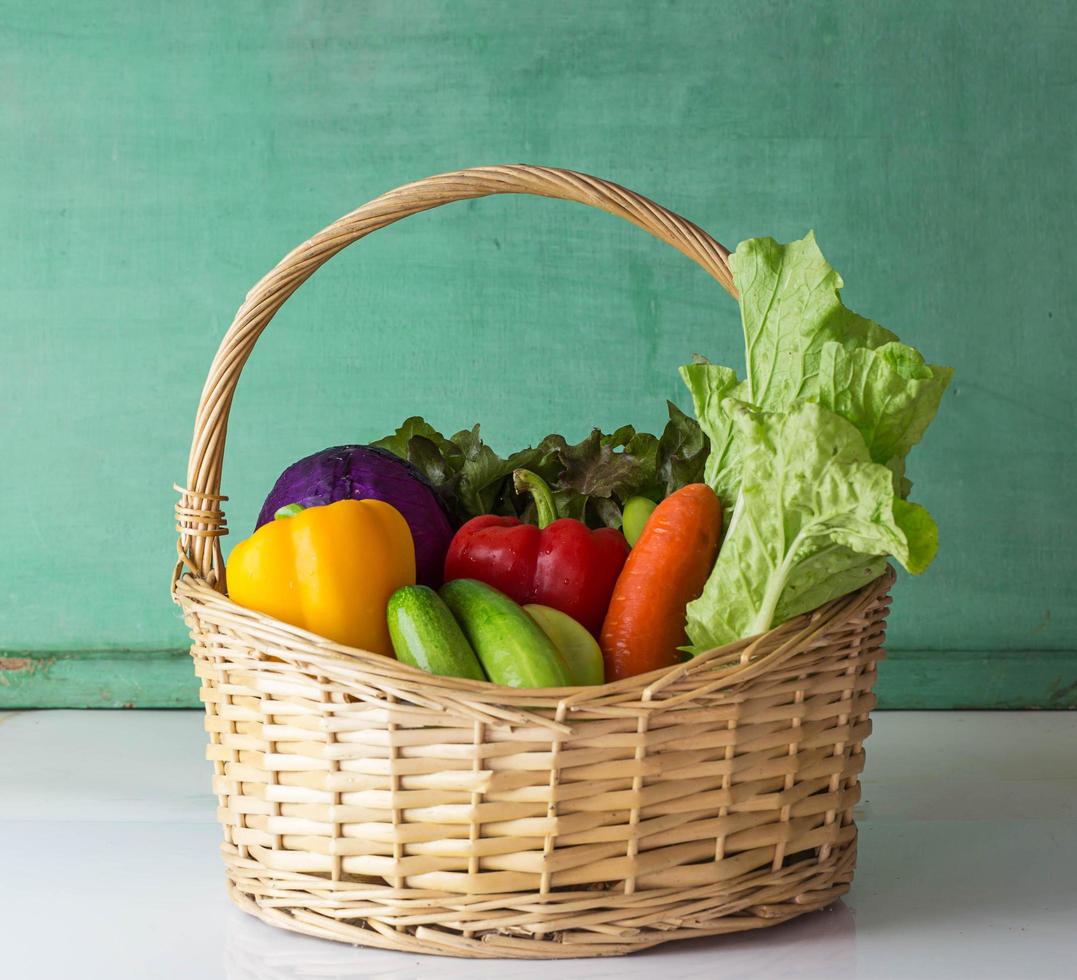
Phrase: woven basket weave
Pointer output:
(365, 801)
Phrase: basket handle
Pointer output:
(199, 516)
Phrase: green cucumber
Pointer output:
(425, 634)
(511, 647)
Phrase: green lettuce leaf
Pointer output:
(810, 501)
(711, 385)
(483, 475)
(398, 442)
(465, 472)
(683, 450)
(803, 344)
(890, 394)
(825, 576)
(591, 480)
(790, 306)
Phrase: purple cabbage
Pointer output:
(364, 472)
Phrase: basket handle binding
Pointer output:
(200, 520)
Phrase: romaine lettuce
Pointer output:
(890, 394)
(790, 307)
(813, 514)
(804, 527)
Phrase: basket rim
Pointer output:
(727, 665)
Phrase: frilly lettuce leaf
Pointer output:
(890, 394)
(465, 472)
(813, 517)
(790, 306)
(591, 480)
(710, 386)
(602, 465)
(803, 344)
(815, 371)
(683, 450)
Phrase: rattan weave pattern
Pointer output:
(366, 801)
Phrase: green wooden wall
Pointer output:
(157, 158)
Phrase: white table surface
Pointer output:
(968, 865)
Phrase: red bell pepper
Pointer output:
(561, 563)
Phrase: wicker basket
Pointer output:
(365, 801)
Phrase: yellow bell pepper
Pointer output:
(328, 569)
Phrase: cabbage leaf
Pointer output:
(817, 373)
(813, 516)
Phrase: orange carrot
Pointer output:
(665, 571)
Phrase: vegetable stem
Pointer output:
(527, 482)
(288, 510)
(765, 617)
